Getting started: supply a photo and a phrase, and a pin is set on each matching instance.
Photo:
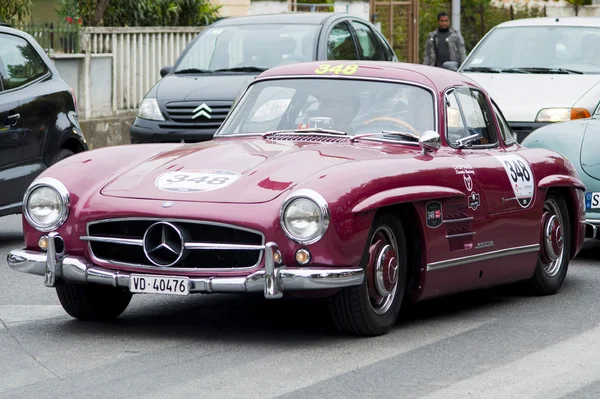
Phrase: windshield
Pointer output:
(350, 106)
(571, 48)
(262, 46)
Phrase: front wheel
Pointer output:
(555, 248)
(93, 302)
(372, 308)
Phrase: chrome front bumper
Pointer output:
(272, 280)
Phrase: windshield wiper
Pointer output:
(482, 69)
(515, 70)
(551, 70)
(307, 130)
(242, 69)
(193, 70)
(407, 135)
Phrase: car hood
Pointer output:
(216, 87)
(590, 149)
(232, 170)
(521, 96)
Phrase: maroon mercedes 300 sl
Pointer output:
(368, 183)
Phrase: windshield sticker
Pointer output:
(520, 176)
(433, 214)
(337, 69)
(192, 181)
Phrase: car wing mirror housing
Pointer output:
(165, 70)
(430, 141)
(451, 65)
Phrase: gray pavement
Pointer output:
(494, 343)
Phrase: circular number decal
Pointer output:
(520, 177)
(191, 181)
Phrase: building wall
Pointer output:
(232, 8)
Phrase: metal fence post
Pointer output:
(86, 45)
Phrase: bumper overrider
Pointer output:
(592, 228)
(273, 279)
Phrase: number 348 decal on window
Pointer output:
(349, 69)
(520, 176)
(190, 181)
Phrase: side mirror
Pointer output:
(165, 70)
(430, 141)
(451, 65)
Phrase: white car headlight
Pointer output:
(553, 115)
(46, 204)
(149, 110)
(305, 216)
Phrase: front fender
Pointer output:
(561, 181)
(403, 195)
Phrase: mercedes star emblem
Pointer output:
(163, 244)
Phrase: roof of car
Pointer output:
(286, 18)
(435, 78)
(553, 21)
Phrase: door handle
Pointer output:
(13, 119)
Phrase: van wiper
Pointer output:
(552, 70)
(482, 69)
(242, 69)
(515, 70)
(193, 70)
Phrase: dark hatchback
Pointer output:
(192, 99)
(38, 117)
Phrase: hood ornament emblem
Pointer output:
(202, 110)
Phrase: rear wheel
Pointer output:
(93, 302)
(555, 247)
(372, 307)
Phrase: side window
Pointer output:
(368, 43)
(388, 54)
(340, 45)
(477, 116)
(507, 134)
(454, 120)
(21, 61)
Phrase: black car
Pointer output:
(192, 99)
(38, 117)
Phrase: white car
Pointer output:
(539, 70)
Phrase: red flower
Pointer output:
(70, 20)
(79, 21)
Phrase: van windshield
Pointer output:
(538, 49)
(242, 46)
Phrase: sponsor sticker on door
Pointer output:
(520, 176)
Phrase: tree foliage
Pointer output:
(14, 9)
(142, 12)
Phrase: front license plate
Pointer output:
(592, 200)
(159, 284)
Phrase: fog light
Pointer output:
(277, 257)
(43, 242)
(302, 256)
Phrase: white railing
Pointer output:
(137, 54)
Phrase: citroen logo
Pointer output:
(202, 110)
(163, 244)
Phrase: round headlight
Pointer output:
(46, 204)
(305, 216)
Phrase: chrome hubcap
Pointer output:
(382, 270)
(553, 240)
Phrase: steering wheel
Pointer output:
(393, 120)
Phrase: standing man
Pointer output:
(444, 44)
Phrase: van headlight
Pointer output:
(305, 216)
(149, 109)
(46, 204)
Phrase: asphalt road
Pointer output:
(494, 343)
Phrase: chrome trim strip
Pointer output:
(481, 257)
(209, 245)
(283, 278)
(593, 221)
(151, 268)
(113, 240)
(458, 220)
(470, 233)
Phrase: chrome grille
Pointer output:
(207, 245)
(182, 114)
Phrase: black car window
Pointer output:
(21, 61)
(340, 45)
(467, 113)
(368, 43)
(507, 134)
